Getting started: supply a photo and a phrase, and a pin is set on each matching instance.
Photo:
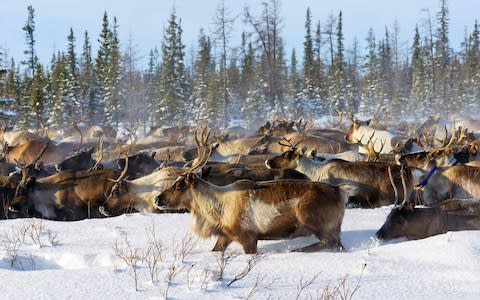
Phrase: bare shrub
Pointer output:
(222, 261)
(303, 285)
(131, 256)
(11, 245)
(173, 270)
(251, 263)
(52, 238)
(154, 252)
(36, 229)
(13, 240)
(180, 250)
(258, 282)
(342, 290)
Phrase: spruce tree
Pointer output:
(418, 96)
(72, 105)
(371, 84)
(59, 89)
(442, 59)
(11, 93)
(29, 28)
(38, 107)
(88, 102)
(294, 100)
(102, 67)
(471, 79)
(170, 107)
(112, 105)
(204, 67)
(308, 62)
(151, 82)
(338, 70)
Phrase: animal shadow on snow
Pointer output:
(352, 240)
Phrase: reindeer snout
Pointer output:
(380, 234)
(161, 202)
(58, 167)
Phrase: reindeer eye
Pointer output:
(179, 185)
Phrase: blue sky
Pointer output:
(143, 21)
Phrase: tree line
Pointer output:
(251, 83)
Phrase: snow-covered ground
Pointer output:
(82, 260)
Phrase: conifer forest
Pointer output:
(250, 80)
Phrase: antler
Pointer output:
(99, 154)
(204, 151)
(303, 126)
(124, 172)
(75, 126)
(290, 145)
(340, 119)
(35, 161)
(288, 141)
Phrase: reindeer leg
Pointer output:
(222, 243)
(250, 247)
(249, 243)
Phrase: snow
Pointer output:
(77, 260)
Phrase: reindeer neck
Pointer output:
(308, 167)
(207, 200)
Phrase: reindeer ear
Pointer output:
(153, 154)
(313, 153)
(356, 124)
(191, 177)
(367, 122)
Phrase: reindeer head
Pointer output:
(177, 196)
(288, 159)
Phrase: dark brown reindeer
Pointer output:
(421, 222)
(67, 195)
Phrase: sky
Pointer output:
(142, 21)
(77, 260)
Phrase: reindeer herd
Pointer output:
(285, 179)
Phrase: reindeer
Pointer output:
(418, 223)
(451, 182)
(372, 178)
(246, 211)
(322, 142)
(360, 131)
(141, 192)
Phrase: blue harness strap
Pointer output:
(425, 181)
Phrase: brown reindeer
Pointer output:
(418, 223)
(141, 192)
(451, 182)
(372, 178)
(68, 195)
(246, 211)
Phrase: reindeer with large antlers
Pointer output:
(139, 194)
(246, 211)
(372, 178)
